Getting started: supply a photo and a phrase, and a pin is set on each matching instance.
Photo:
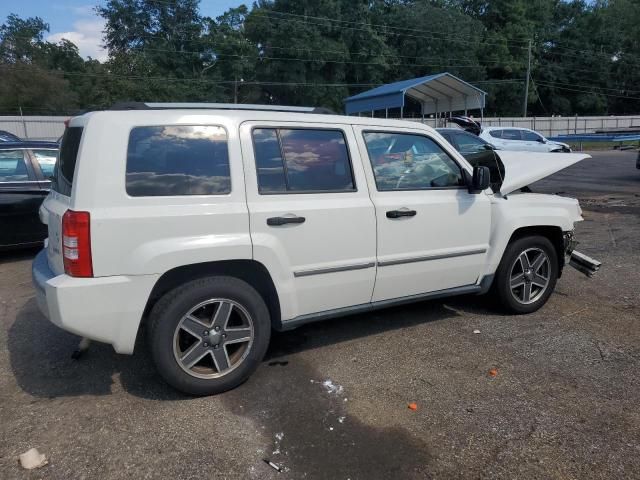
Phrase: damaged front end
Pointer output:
(579, 261)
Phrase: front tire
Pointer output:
(209, 335)
(527, 274)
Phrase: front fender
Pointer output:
(527, 210)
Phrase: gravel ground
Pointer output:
(330, 401)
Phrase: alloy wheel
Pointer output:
(530, 275)
(213, 338)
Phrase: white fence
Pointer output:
(550, 126)
(50, 128)
(34, 127)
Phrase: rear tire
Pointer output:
(209, 335)
(527, 274)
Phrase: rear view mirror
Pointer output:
(480, 179)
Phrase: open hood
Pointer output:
(524, 168)
(467, 123)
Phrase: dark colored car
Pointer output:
(8, 137)
(477, 151)
(465, 142)
(25, 168)
(638, 161)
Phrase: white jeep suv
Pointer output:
(214, 224)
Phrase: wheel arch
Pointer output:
(252, 272)
(552, 232)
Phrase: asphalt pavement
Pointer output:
(549, 395)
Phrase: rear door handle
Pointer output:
(401, 213)
(277, 221)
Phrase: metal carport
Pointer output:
(438, 93)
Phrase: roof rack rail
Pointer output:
(217, 106)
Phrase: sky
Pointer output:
(77, 21)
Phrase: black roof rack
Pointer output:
(218, 106)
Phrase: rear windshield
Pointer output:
(66, 164)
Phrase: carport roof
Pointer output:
(442, 92)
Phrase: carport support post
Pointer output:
(24, 124)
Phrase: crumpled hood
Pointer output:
(524, 168)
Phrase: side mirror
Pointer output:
(542, 140)
(488, 146)
(480, 179)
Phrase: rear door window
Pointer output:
(511, 134)
(12, 166)
(66, 165)
(178, 160)
(302, 161)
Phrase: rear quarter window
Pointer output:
(66, 164)
(176, 160)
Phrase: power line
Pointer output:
(544, 84)
(591, 86)
(230, 82)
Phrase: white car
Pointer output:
(214, 225)
(521, 139)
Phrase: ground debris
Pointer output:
(272, 465)
(413, 406)
(493, 372)
(332, 387)
(32, 459)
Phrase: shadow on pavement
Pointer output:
(310, 434)
(40, 352)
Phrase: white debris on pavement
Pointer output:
(332, 387)
(278, 438)
(32, 459)
(341, 419)
(476, 331)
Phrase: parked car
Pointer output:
(25, 168)
(213, 225)
(465, 142)
(510, 138)
(8, 137)
(478, 152)
(521, 139)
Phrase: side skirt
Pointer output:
(367, 307)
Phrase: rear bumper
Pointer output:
(106, 309)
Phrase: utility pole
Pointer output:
(526, 82)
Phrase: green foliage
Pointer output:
(317, 52)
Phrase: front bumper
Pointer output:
(106, 309)
(579, 261)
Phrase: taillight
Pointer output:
(76, 244)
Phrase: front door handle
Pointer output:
(401, 213)
(277, 221)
